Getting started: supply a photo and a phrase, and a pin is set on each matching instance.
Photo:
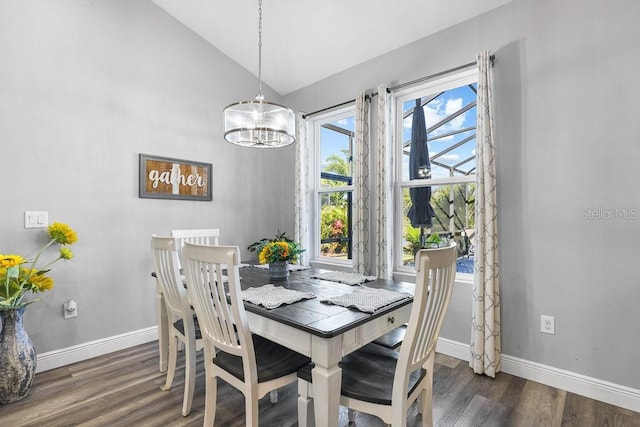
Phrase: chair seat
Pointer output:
(392, 339)
(367, 374)
(179, 325)
(272, 360)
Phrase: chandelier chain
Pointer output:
(260, 97)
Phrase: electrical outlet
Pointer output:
(547, 324)
(70, 309)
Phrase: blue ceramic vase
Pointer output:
(17, 357)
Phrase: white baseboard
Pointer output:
(593, 388)
(77, 353)
(615, 394)
(454, 349)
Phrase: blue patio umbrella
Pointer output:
(420, 212)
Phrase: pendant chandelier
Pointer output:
(258, 123)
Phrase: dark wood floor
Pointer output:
(123, 389)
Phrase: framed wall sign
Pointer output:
(167, 178)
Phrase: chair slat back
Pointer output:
(220, 311)
(202, 236)
(167, 270)
(436, 270)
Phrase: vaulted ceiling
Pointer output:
(305, 41)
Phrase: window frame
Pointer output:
(441, 84)
(317, 190)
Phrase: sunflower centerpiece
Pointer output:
(278, 252)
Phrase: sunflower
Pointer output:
(62, 233)
(42, 282)
(11, 260)
(65, 253)
(273, 251)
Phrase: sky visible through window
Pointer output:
(438, 109)
(450, 101)
(335, 143)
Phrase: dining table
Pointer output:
(323, 331)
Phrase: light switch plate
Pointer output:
(36, 219)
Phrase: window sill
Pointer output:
(404, 276)
(331, 265)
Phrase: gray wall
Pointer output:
(85, 86)
(567, 146)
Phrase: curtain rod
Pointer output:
(492, 58)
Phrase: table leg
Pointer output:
(163, 331)
(327, 378)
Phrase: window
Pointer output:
(334, 137)
(447, 179)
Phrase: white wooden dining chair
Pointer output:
(205, 236)
(182, 325)
(383, 382)
(201, 236)
(250, 363)
(394, 338)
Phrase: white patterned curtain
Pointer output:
(360, 219)
(384, 265)
(485, 323)
(302, 188)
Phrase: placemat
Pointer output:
(344, 277)
(270, 296)
(368, 300)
